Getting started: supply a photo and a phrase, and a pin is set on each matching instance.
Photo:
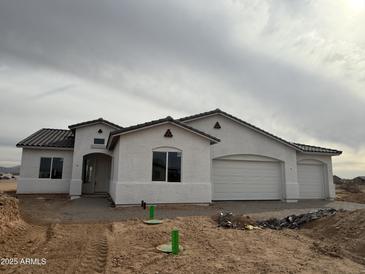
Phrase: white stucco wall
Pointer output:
(237, 139)
(132, 180)
(330, 190)
(84, 144)
(29, 182)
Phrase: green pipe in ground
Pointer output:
(152, 212)
(175, 241)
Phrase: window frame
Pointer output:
(167, 150)
(50, 168)
(99, 144)
(40, 166)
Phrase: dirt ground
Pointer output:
(8, 186)
(343, 195)
(332, 245)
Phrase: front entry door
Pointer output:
(88, 185)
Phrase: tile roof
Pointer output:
(316, 149)
(301, 147)
(160, 121)
(218, 111)
(49, 137)
(91, 122)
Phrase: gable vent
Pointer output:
(168, 133)
(217, 125)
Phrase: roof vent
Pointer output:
(217, 125)
(168, 134)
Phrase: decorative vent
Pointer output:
(100, 131)
(168, 133)
(217, 125)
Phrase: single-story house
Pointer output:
(196, 159)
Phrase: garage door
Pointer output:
(246, 180)
(311, 181)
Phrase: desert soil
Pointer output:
(332, 245)
(8, 186)
(343, 195)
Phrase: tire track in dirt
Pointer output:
(95, 258)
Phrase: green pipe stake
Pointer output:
(152, 212)
(175, 241)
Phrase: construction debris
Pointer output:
(228, 220)
(296, 221)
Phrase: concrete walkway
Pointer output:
(43, 209)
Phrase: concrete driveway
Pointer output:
(57, 209)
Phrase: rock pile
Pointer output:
(296, 221)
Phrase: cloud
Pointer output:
(289, 66)
(51, 92)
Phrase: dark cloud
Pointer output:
(172, 43)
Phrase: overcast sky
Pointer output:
(296, 68)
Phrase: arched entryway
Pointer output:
(96, 173)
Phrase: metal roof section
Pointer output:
(94, 122)
(168, 119)
(49, 138)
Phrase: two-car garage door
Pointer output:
(246, 180)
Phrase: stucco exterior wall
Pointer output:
(84, 144)
(114, 173)
(330, 189)
(29, 182)
(133, 180)
(237, 139)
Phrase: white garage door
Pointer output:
(311, 181)
(246, 180)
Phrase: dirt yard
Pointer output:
(347, 196)
(8, 186)
(332, 245)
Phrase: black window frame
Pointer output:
(99, 141)
(170, 175)
(45, 168)
(57, 172)
(55, 169)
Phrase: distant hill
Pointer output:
(360, 180)
(13, 170)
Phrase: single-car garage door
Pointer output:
(311, 181)
(246, 180)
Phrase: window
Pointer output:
(45, 167)
(99, 141)
(57, 166)
(51, 168)
(166, 165)
(174, 167)
(159, 166)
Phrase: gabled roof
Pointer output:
(238, 120)
(299, 147)
(49, 137)
(94, 122)
(168, 119)
(316, 149)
